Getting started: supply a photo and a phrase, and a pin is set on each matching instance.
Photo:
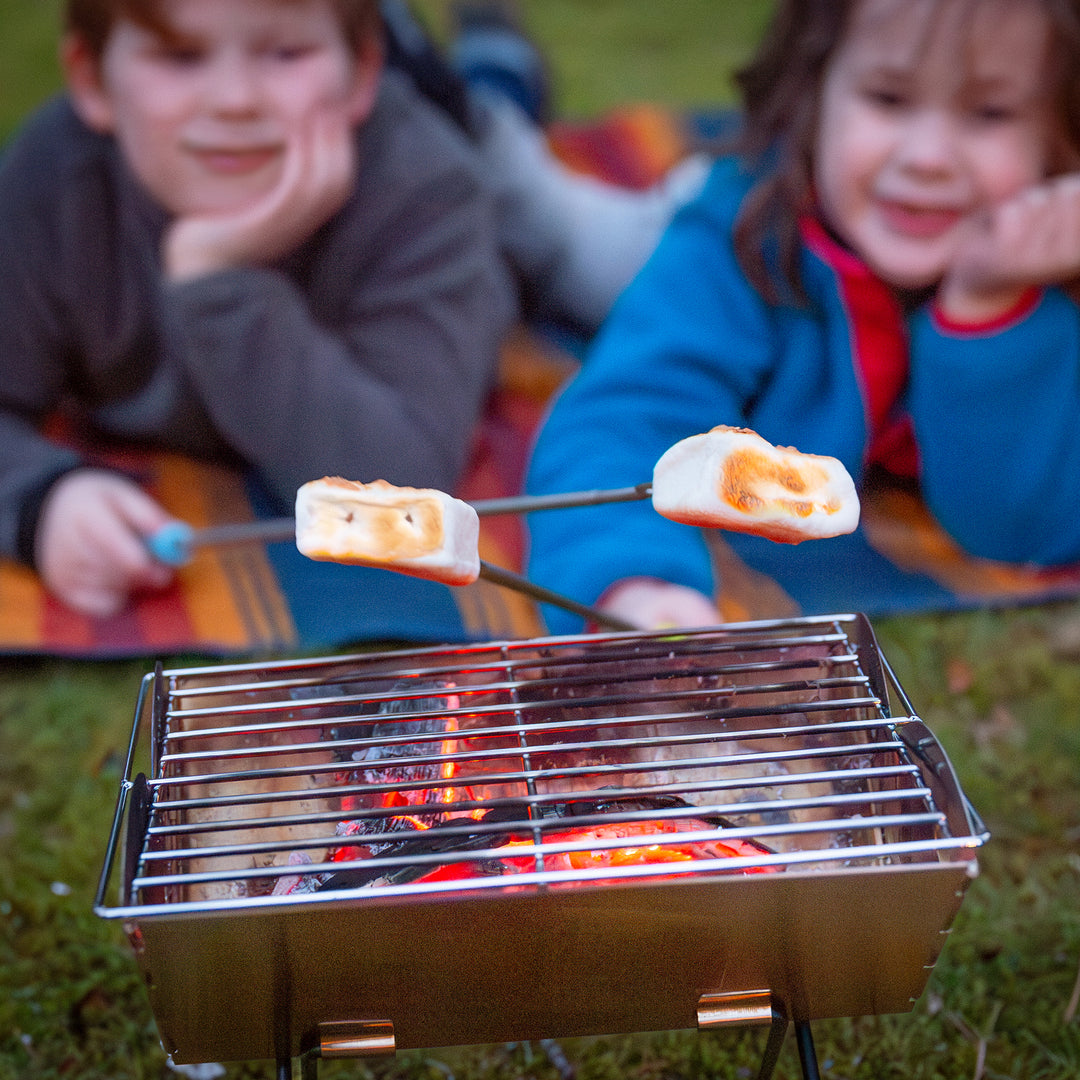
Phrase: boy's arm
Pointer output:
(997, 420)
(33, 378)
(41, 481)
(89, 546)
(373, 358)
(28, 464)
(81, 528)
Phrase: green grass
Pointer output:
(610, 52)
(1001, 690)
(28, 65)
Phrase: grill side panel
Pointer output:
(586, 962)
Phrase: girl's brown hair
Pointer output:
(781, 93)
(93, 20)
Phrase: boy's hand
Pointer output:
(317, 176)
(1031, 239)
(653, 605)
(89, 546)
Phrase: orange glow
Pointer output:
(449, 768)
(640, 855)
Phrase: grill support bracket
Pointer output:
(756, 1008)
(741, 1008)
(356, 1039)
(351, 1039)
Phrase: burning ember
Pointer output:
(511, 850)
(440, 834)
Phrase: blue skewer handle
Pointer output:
(171, 544)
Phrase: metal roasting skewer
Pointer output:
(175, 543)
(526, 504)
(498, 576)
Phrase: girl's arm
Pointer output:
(684, 349)
(996, 410)
(1030, 240)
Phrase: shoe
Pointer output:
(493, 54)
(487, 15)
(410, 48)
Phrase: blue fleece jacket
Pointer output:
(995, 409)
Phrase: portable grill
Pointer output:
(529, 839)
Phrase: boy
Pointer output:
(234, 237)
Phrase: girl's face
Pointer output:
(204, 115)
(932, 111)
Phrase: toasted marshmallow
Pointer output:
(732, 478)
(418, 531)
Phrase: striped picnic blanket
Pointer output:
(267, 599)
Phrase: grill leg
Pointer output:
(807, 1054)
(773, 1045)
(309, 1068)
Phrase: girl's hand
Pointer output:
(653, 605)
(89, 546)
(1030, 240)
(317, 176)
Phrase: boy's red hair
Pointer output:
(93, 20)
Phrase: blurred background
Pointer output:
(603, 52)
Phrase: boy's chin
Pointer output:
(216, 205)
(216, 197)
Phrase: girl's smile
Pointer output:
(918, 222)
(930, 115)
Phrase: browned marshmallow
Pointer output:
(418, 531)
(732, 478)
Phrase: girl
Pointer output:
(876, 275)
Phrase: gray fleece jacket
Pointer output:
(367, 353)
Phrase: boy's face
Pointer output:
(932, 111)
(204, 116)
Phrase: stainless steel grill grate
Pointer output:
(533, 838)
